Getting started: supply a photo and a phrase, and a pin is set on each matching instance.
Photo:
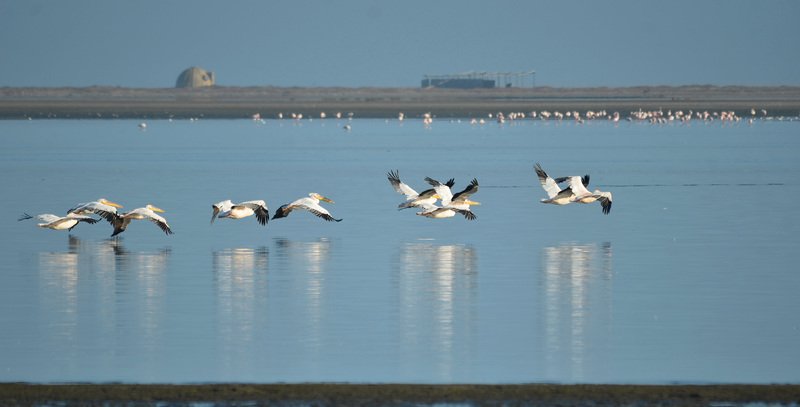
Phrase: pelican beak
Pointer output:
(322, 198)
(154, 209)
(472, 202)
(116, 205)
(437, 196)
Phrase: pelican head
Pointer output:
(153, 208)
(320, 197)
(107, 202)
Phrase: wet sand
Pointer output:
(268, 102)
(396, 394)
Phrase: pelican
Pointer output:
(59, 223)
(583, 195)
(148, 212)
(102, 207)
(556, 195)
(413, 199)
(227, 209)
(310, 204)
(451, 204)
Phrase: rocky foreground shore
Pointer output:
(270, 102)
(324, 394)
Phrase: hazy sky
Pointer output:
(394, 43)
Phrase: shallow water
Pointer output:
(690, 278)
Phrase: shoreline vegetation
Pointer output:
(332, 394)
(219, 102)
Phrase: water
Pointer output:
(691, 277)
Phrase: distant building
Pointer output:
(194, 77)
(479, 80)
(457, 83)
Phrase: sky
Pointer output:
(375, 43)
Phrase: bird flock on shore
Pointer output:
(450, 204)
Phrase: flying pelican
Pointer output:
(59, 223)
(148, 212)
(414, 199)
(583, 195)
(226, 209)
(556, 195)
(451, 204)
(310, 204)
(102, 207)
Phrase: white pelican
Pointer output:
(310, 204)
(451, 204)
(413, 199)
(583, 195)
(59, 223)
(556, 195)
(102, 207)
(148, 212)
(227, 209)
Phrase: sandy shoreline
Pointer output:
(268, 102)
(398, 394)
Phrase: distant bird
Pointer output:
(311, 204)
(148, 212)
(101, 207)
(227, 209)
(451, 204)
(556, 195)
(60, 223)
(143, 126)
(582, 195)
(413, 199)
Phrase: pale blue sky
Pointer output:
(393, 43)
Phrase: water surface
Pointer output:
(690, 278)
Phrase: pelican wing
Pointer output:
(576, 184)
(46, 217)
(283, 211)
(584, 180)
(259, 208)
(400, 186)
(444, 192)
(314, 207)
(549, 184)
(605, 202)
(218, 207)
(141, 213)
(462, 196)
(107, 212)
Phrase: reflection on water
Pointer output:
(303, 266)
(437, 290)
(99, 295)
(577, 296)
(240, 287)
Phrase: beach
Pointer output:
(331, 394)
(270, 102)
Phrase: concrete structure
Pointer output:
(194, 77)
(478, 80)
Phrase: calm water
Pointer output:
(692, 277)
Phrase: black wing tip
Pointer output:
(606, 207)
(450, 183)
(25, 216)
(394, 175)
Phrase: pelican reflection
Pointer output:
(577, 306)
(302, 268)
(240, 289)
(102, 287)
(437, 293)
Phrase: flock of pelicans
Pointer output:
(451, 204)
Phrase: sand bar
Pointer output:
(268, 102)
(326, 394)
